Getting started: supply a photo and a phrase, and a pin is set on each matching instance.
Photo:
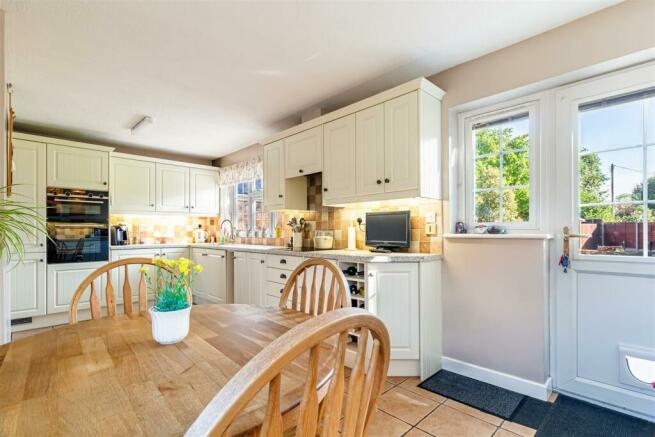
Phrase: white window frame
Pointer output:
(252, 197)
(532, 106)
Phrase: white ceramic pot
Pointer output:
(297, 240)
(170, 327)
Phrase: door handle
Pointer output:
(567, 234)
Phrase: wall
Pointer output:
(160, 228)
(244, 154)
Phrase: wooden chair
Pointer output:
(320, 301)
(314, 416)
(94, 300)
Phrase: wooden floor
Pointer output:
(407, 410)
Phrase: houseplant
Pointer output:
(17, 220)
(170, 285)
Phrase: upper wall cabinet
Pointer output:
(29, 185)
(370, 151)
(204, 191)
(173, 188)
(401, 144)
(132, 185)
(75, 167)
(279, 192)
(303, 153)
(339, 172)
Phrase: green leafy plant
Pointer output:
(18, 220)
(172, 280)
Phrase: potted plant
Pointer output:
(171, 285)
(16, 221)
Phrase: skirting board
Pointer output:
(529, 388)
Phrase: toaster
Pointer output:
(324, 240)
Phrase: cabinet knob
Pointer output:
(300, 171)
(104, 183)
(378, 181)
(283, 261)
(279, 195)
(281, 290)
(152, 204)
(41, 260)
(261, 261)
(41, 244)
(186, 206)
(192, 206)
(324, 189)
(283, 276)
(370, 275)
(386, 180)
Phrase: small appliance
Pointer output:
(119, 235)
(387, 231)
(324, 240)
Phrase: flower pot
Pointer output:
(297, 240)
(170, 327)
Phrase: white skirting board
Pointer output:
(529, 388)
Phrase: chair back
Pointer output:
(307, 288)
(315, 416)
(110, 299)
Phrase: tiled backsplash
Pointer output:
(149, 229)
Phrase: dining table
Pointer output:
(109, 377)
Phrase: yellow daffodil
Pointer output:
(158, 261)
(197, 268)
(184, 269)
(143, 269)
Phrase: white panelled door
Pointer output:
(604, 305)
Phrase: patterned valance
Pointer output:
(241, 172)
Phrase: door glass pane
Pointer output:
(613, 230)
(611, 126)
(650, 172)
(487, 206)
(618, 173)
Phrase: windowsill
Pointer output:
(499, 236)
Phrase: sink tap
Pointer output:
(231, 234)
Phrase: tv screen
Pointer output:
(387, 229)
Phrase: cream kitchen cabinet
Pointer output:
(401, 144)
(27, 286)
(339, 169)
(62, 281)
(132, 185)
(303, 153)
(172, 188)
(249, 278)
(279, 192)
(204, 191)
(214, 284)
(370, 151)
(29, 185)
(76, 167)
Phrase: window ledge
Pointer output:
(499, 236)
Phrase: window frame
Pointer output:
(253, 196)
(489, 114)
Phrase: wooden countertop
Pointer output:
(108, 376)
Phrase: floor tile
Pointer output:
(448, 422)
(504, 433)
(387, 386)
(406, 405)
(411, 384)
(24, 334)
(494, 420)
(384, 425)
(415, 432)
(395, 380)
(516, 428)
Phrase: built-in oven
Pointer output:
(78, 225)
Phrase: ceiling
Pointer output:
(218, 76)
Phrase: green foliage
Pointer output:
(173, 279)
(18, 220)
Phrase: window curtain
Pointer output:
(241, 172)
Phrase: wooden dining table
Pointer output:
(109, 377)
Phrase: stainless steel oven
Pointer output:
(78, 225)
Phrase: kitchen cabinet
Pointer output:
(339, 174)
(29, 186)
(241, 280)
(214, 284)
(249, 278)
(401, 143)
(279, 192)
(395, 287)
(27, 286)
(63, 279)
(132, 185)
(76, 167)
(172, 188)
(303, 153)
(370, 150)
(204, 191)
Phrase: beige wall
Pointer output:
(244, 154)
(605, 35)
(162, 155)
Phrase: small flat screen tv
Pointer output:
(387, 230)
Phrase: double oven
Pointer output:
(78, 225)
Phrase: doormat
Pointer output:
(477, 394)
(531, 412)
(570, 417)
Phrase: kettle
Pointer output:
(119, 236)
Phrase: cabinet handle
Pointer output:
(324, 189)
(163, 254)
(261, 261)
(41, 244)
(186, 206)
(370, 275)
(386, 180)
(152, 205)
(300, 171)
(41, 260)
(281, 290)
(283, 261)
(279, 195)
(104, 183)
(283, 276)
(213, 256)
(378, 181)
(192, 206)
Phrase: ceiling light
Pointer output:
(143, 122)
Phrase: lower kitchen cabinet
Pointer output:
(249, 278)
(63, 280)
(26, 282)
(214, 284)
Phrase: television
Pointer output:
(386, 231)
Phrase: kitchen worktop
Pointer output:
(335, 254)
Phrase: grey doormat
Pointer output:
(531, 412)
(486, 397)
(573, 418)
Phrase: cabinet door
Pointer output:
(26, 282)
(274, 175)
(63, 280)
(401, 143)
(369, 147)
(172, 188)
(211, 284)
(241, 278)
(303, 153)
(257, 274)
(204, 191)
(174, 252)
(395, 288)
(339, 173)
(29, 185)
(132, 185)
(74, 167)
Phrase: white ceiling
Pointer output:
(218, 76)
